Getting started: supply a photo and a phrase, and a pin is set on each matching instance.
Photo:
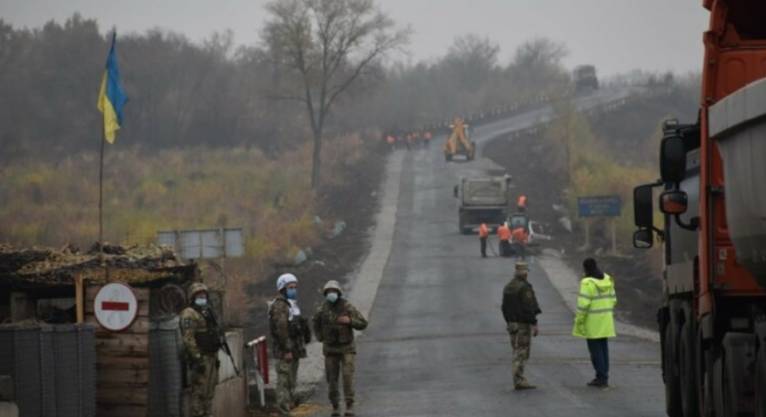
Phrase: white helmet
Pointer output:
(284, 280)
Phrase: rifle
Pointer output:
(223, 342)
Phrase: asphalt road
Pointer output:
(437, 344)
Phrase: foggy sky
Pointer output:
(615, 35)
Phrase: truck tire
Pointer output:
(760, 382)
(461, 225)
(687, 363)
(673, 406)
(448, 157)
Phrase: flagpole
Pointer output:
(101, 194)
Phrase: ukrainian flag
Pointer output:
(111, 97)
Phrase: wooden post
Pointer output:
(614, 236)
(587, 234)
(79, 292)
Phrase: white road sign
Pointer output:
(115, 306)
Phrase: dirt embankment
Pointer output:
(639, 285)
(354, 203)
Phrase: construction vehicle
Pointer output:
(482, 200)
(585, 78)
(459, 141)
(713, 317)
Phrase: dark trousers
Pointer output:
(505, 248)
(483, 241)
(599, 357)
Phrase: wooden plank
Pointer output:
(121, 362)
(122, 344)
(122, 396)
(107, 377)
(142, 294)
(122, 410)
(140, 326)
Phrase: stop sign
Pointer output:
(115, 306)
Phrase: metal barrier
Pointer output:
(260, 369)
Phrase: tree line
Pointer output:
(215, 93)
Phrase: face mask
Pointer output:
(331, 297)
(291, 293)
(200, 302)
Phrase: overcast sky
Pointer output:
(615, 35)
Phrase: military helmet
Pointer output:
(195, 288)
(332, 285)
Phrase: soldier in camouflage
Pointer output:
(290, 333)
(201, 340)
(334, 325)
(520, 310)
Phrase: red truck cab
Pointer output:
(713, 180)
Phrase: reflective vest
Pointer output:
(520, 235)
(504, 233)
(483, 230)
(594, 318)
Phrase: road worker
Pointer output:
(201, 338)
(334, 325)
(483, 235)
(520, 238)
(427, 136)
(504, 234)
(594, 320)
(290, 333)
(520, 310)
(521, 203)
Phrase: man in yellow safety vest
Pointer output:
(594, 320)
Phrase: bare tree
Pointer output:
(323, 47)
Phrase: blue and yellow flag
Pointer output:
(111, 97)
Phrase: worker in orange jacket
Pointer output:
(521, 203)
(504, 234)
(483, 235)
(520, 238)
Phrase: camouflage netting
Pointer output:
(45, 266)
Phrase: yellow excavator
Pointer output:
(459, 142)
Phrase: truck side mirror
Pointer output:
(642, 206)
(672, 158)
(455, 191)
(674, 202)
(643, 239)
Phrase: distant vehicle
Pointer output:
(459, 141)
(712, 319)
(585, 78)
(483, 200)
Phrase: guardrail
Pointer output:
(260, 372)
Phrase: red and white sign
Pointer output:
(115, 306)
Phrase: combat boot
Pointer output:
(523, 385)
(349, 410)
(335, 410)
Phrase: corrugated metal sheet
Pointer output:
(166, 369)
(53, 369)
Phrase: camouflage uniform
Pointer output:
(201, 339)
(520, 310)
(288, 336)
(338, 346)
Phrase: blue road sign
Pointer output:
(600, 206)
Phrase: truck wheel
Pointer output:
(760, 382)
(672, 381)
(447, 157)
(688, 370)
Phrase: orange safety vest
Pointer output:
(504, 233)
(520, 235)
(522, 201)
(483, 230)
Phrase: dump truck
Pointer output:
(482, 200)
(585, 78)
(459, 141)
(712, 319)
